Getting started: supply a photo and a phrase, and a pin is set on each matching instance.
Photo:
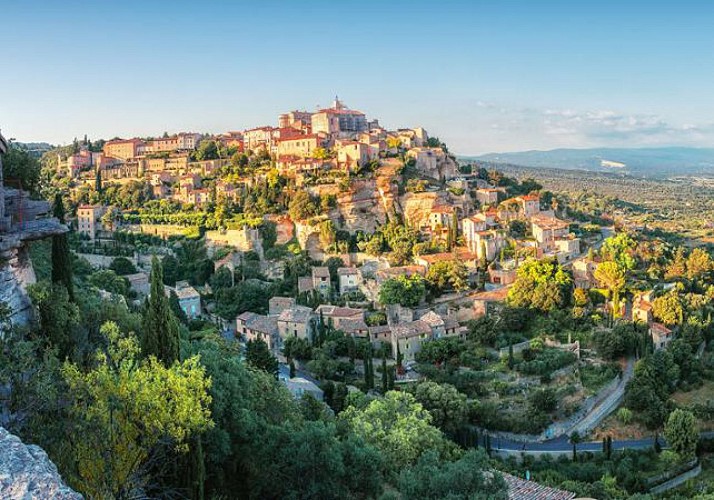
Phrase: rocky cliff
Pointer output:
(27, 473)
(16, 273)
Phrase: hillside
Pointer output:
(648, 162)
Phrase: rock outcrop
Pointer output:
(27, 473)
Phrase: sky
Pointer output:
(484, 76)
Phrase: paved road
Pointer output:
(563, 444)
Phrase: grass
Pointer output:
(594, 377)
(696, 396)
(612, 427)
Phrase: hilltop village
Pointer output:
(328, 275)
(334, 185)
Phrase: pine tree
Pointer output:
(161, 337)
(61, 257)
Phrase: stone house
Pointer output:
(350, 279)
(296, 321)
(253, 326)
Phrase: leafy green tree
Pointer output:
(398, 426)
(446, 405)
(108, 280)
(669, 308)
(207, 150)
(302, 206)
(59, 316)
(699, 263)
(540, 284)
(258, 355)
(122, 266)
(297, 348)
(681, 433)
(21, 169)
(468, 478)
(327, 468)
(61, 256)
(611, 275)
(619, 341)
(620, 249)
(543, 400)
(160, 329)
(121, 410)
(447, 275)
(406, 291)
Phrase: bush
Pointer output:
(546, 362)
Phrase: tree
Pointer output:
(123, 409)
(108, 280)
(681, 433)
(160, 329)
(619, 341)
(398, 426)
(669, 308)
(620, 248)
(327, 467)
(21, 169)
(59, 316)
(447, 275)
(469, 478)
(122, 266)
(575, 438)
(540, 284)
(385, 377)
(447, 406)
(302, 206)
(611, 275)
(699, 263)
(405, 291)
(258, 355)
(61, 257)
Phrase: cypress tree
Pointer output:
(365, 363)
(385, 379)
(161, 337)
(98, 180)
(197, 470)
(371, 368)
(61, 258)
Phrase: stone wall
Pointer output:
(26, 472)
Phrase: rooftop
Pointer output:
(296, 314)
(338, 312)
(498, 295)
(320, 272)
(411, 329)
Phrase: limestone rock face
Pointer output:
(362, 208)
(16, 273)
(27, 473)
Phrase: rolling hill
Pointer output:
(647, 162)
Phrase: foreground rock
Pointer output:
(26, 472)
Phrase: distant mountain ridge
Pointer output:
(650, 162)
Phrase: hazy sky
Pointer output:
(484, 76)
